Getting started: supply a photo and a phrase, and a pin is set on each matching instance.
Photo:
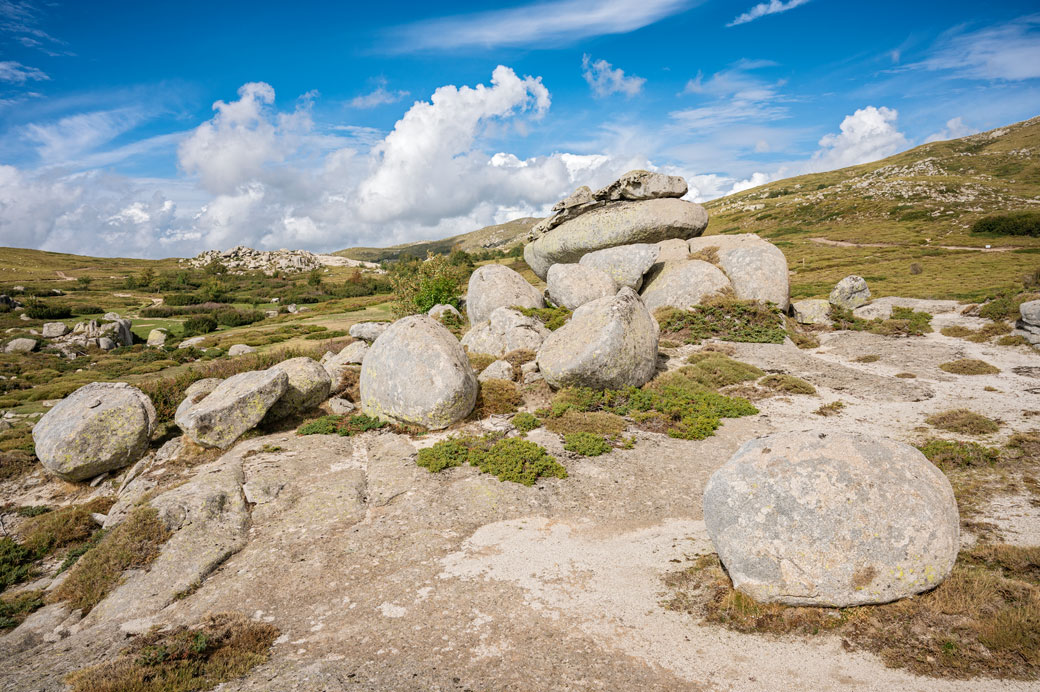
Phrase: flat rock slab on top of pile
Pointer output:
(417, 373)
(616, 223)
(100, 427)
(831, 519)
(497, 286)
(756, 268)
(236, 405)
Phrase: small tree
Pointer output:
(419, 285)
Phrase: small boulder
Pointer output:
(572, 285)
(240, 350)
(309, 385)
(505, 331)
(21, 345)
(811, 311)
(609, 343)
(831, 519)
(100, 427)
(54, 330)
(499, 370)
(438, 311)
(850, 292)
(1030, 313)
(353, 353)
(157, 337)
(196, 392)
(418, 373)
(368, 331)
(236, 405)
(191, 342)
(684, 284)
(341, 407)
(625, 264)
(106, 344)
(756, 268)
(496, 286)
(118, 330)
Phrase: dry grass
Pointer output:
(16, 463)
(787, 384)
(63, 527)
(831, 409)
(956, 331)
(1012, 340)
(133, 543)
(594, 422)
(496, 397)
(518, 358)
(963, 421)
(984, 620)
(715, 370)
(870, 358)
(350, 382)
(906, 375)
(969, 366)
(479, 361)
(220, 648)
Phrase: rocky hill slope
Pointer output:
(503, 236)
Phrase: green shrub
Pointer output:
(585, 444)
(963, 421)
(714, 370)
(510, 459)
(199, 324)
(954, 454)
(969, 366)
(788, 384)
(726, 319)
(903, 322)
(526, 422)
(1013, 223)
(231, 317)
(345, 426)
(40, 311)
(419, 285)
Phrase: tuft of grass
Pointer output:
(17, 462)
(134, 543)
(479, 361)
(1012, 340)
(14, 609)
(50, 531)
(788, 384)
(586, 444)
(345, 426)
(723, 318)
(905, 375)
(526, 422)
(497, 397)
(956, 331)
(963, 421)
(15, 562)
(969, 366)
(220, 648)
(831, 409)
(715, 370)
(518, 358)
(984, 620)
(510, 459)
(552, 318)
(954, 454)
(869, 358)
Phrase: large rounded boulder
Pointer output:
(497, 286)
(756, 268)
(506, 330)
(572, 285)
(831, 519)
(100, 427)
(609, 343)
(626, 264)
(234, 406)
(615, 223)
(684, 284)
(309, 385)
(417, 373)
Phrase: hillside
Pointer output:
(915, 208)
(503, 236)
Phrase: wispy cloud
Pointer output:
(380, 96)
(604, 80)
(558, 22)
(17, 73)
(955, 128)
(58, 143)
(21, 20)
(1008, 52)
(734, 95)
(766, 8)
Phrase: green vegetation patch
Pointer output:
(509, 459)
(1014, 223)
(969, 366)
(715, 370)
(963, 421)
(552, 318)
(955, 454)
(220, 648)
(14, 609)
(526, 422)
(903, 322)
(418, 285)
(788, 384)
(345, 426)
(726, 319)
(586, 444)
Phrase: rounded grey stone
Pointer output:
(756, 268)
(850, 292)
(20, 345)
(309, 385)
(683, 285)
(240, 350)
(368, 331)
(196, 392)
(625, 264)
(572, 285)
(811, 311)
(1030, 312)
(498, 370)
(505, 331)
(417, 372)
(236, 405)
(438, 311)
(497, 286)
(831, 519)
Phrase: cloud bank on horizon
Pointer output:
(149, 168)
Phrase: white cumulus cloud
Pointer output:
(605, 80)
(766, 8)
(867, 135)
(955, 128)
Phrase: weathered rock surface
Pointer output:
(609, 343)
(625, 264)
(53, 330)
(673, 250)
(240, 350)
(233, 407)
(850, 292)
(309, 385)
(1028, 325)
(616, 223)
(100, 427)
(353, 353)
(241, 259)
(337, 364)
(684, 284)
(572, 285)
(498, 370)
(438, 311)
(368, 331)
(496, 286)
(157, 337)
(417, 372)
(882, 307)
(505, 331)
(756, 268)
(20, 345)
(811, 311)
(831, 519)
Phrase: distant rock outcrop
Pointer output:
(241, 259)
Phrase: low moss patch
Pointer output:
(983, 621)
(592, 422)
(586, 444)
(220, 648)
(955, 454)
(956, 331)
(969, 366)
(906, 375)
(963, 421)
(509, 459)
(726, 319)
(1012, 340)
(133, 543)
(552, 318)
(715, 370)
(788, 384)
(497, 397)
(345, 426)
(526, 422)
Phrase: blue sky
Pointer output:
(161, 129)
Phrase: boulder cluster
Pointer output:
(241, 260)
(848, 294)
(110, 332)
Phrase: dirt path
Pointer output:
(845, 243)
